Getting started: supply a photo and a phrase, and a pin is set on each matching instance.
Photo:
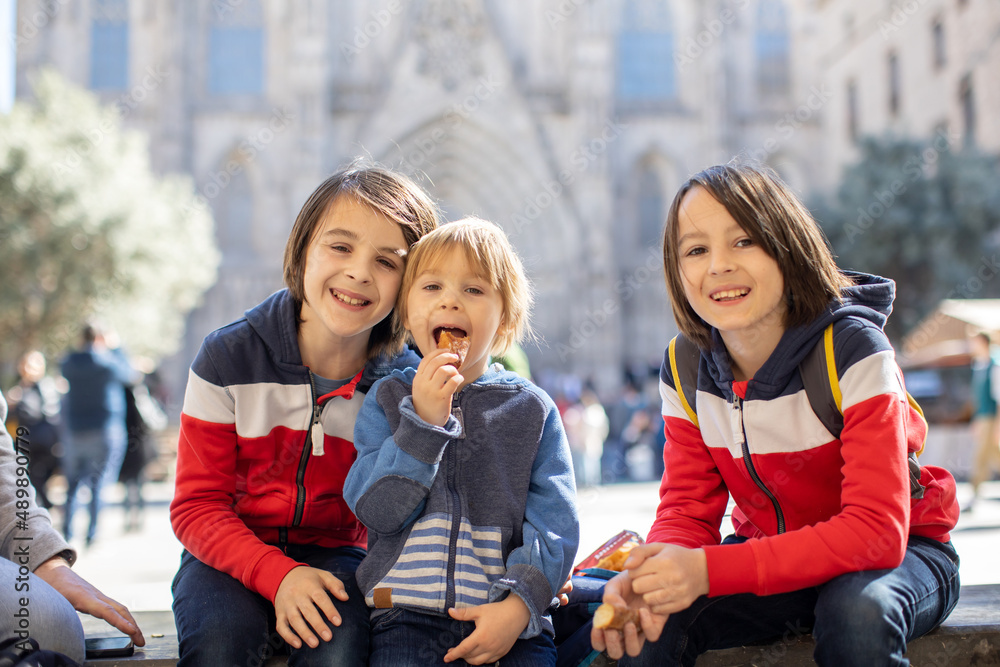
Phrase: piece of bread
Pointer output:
(615, 561)
(455, 344)
(614, 617)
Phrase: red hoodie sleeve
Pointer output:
(693, 495)
(204, 511)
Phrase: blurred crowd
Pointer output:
(90, 425)
(613, 438)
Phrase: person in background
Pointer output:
(34, 405)
(94, 417)
(48, 595)
(143, 419)
(985, 390)
(620, 415)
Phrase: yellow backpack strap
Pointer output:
(685, 373)
(831, 369)
(819, 378)
(827, 400)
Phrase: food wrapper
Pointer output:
(608, 559)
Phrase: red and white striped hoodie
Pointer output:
(815, 506)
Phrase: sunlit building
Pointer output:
(570, 123)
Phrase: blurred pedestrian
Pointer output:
(586, 425)
(620, 416)
(94, 416)
(144, 418)
(35, 406)
(984, 416)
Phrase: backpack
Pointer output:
(13, 653)
(819, 377)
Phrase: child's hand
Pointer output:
(629, 639)
(300, 593)
(668, 577)
(435, 383)
(498, 626)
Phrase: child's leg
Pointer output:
(728, 621)
(349, 645)
(866, 618)
(540, 650)
(405, 638)
(401, 638)
(220, 621)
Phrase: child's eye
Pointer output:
(339, 247)
(474, 290)
(389, 264)
(431, 287)
(744, 243)
(697, 250)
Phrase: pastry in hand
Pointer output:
(615, 561)
(614, 617)
(456, 342)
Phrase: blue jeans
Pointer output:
(859, 618)
(403, 637)
(92, 459)
(48, 617)
(221, 623)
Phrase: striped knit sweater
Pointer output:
(463, 514)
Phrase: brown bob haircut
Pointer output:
(774, 218)
(386, 192)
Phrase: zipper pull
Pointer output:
(316, 434)
(736, 421)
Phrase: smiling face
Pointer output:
(353, 268)
(450, 294)
(729, 280)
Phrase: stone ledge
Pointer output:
(970, 636)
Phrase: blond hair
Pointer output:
(491, 255)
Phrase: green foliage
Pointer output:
(88, 231)
(922, 214)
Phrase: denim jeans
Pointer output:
(221, 623)
(92, 459)
(48, 617)
(402, 637)
(859, 618)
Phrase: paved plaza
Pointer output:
(136, 568)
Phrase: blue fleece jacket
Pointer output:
(462, 514)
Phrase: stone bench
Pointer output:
(970, 636)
